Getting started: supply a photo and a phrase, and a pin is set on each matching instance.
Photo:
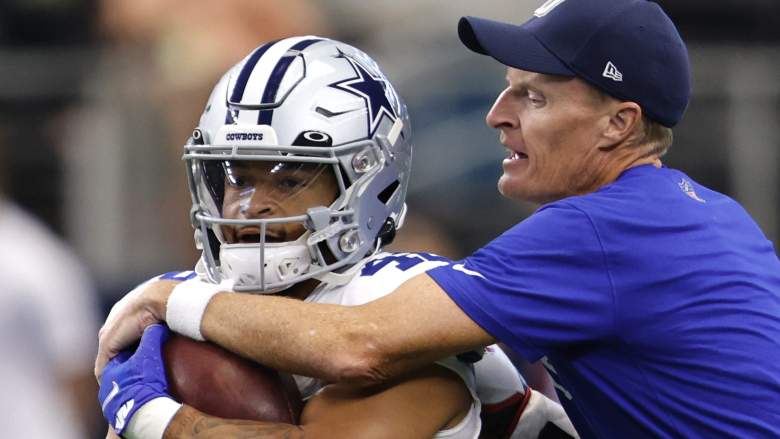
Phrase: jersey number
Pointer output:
(403, 262)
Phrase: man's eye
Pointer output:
(290, 183)
(535, 98)
(236, 181)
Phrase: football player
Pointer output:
(298, 172)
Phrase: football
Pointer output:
(221, 383)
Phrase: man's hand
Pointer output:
(127, 320)
(132, 379)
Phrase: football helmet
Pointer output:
(294, 114)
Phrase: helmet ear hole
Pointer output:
(326, 253)
(388, 192)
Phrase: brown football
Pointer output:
(221, 383)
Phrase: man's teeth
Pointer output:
(514, 155)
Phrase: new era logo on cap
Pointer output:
(612, 72)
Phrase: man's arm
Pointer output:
(415, 325)
(417, 406)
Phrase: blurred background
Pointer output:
(98, 96)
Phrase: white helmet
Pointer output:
(302, 103)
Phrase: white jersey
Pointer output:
(500, 398)
(493, 380)
(508, 409)
(371, 279)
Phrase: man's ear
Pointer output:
(624, 119)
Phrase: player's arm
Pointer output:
(413, 326)
(135, 401)
(190, 423)
(417, 406)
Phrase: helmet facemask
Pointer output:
(279, 208)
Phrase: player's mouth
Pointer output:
(251, 235)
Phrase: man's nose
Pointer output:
(501, 114)
(257, 204)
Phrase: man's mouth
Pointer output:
(516, 155)
(251, 235)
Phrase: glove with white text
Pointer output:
(130, 380)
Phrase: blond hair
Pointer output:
(655, 137)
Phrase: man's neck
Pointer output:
(301, 290)
(655, 161)
(620, 165)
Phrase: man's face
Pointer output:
(551, 126)
(261, 190)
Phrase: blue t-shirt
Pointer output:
(654, 303)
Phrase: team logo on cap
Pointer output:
(612, 72)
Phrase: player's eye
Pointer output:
(236, 176)
(290, 183)
(236, 180)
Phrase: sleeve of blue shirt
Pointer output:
(541, 285)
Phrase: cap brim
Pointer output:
(510, 45)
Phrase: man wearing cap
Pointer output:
(653, 301)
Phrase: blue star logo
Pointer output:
(373, 88)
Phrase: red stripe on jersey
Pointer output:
(500, 419)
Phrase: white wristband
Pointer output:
(186, 306)
(151, 420)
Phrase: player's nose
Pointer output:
(258, 204)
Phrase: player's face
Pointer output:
(260, 190)
(551, 126)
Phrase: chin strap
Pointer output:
(338, 279)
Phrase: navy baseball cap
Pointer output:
(629, 49)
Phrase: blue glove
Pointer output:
(132, 379)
